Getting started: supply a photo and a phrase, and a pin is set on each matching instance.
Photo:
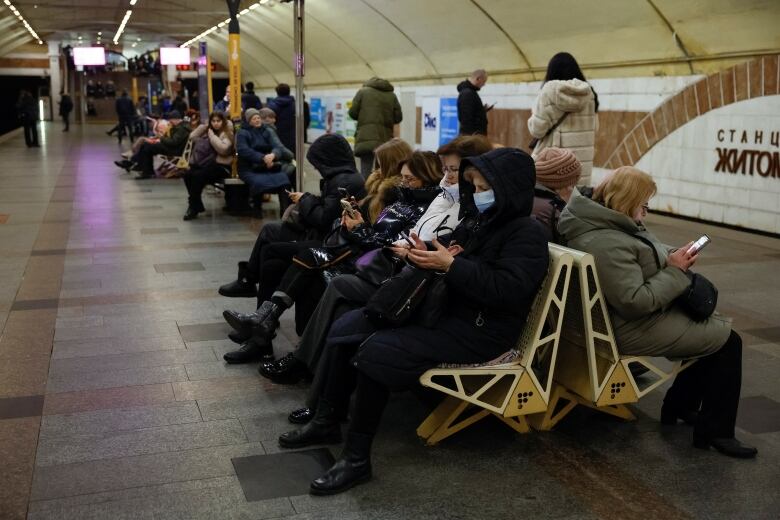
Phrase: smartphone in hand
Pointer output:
(700, 244)
(347, 206)
(406, 237)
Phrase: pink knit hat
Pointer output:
(557, 168)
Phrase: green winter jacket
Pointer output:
(640, 295)
(176, 140)
(376, 110)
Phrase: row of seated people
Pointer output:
(483, 218)
(264, 163)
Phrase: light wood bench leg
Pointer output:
(441, 423)
(518, 424)
(546, 421)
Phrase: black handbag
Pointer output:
(701, 298)
(399, 298)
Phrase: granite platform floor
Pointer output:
(115, 402)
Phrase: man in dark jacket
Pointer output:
(66, 106)
(492, 276)
(284, 107)
(376, 110)
(125, 112)
(27, 109)
(249, 99)
(472, 114)
(172, 144)
(332, 157)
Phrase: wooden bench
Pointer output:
(590, 371)
(516, 384)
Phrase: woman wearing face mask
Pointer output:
(492, 274)
(212, 155)
(642, 280)
(352, 291)
(304, 281)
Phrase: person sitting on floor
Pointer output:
(557, 173)
(642, 281)
(260, 154)
(172, 144)
(299, 274)
(332, 157)
(210, 160)
(492, 267)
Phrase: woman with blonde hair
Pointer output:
(642, 281)
(386, 177)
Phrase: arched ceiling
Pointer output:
(435, 41)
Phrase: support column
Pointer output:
(55, 77)
(299, 73)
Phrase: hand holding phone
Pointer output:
(700, 244)
(347, 207)
(406, 237)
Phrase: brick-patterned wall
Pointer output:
(748, 80)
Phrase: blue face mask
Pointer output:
(452, 191)
(484, 200)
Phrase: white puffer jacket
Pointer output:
(577, 132)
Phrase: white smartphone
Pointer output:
(406, 237)
(700, 244)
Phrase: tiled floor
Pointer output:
(115, 402)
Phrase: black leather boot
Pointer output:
(352, 468)
(251, 350)
(191, 214)
(261, 323)
(727, 446)
(284, 371)
(237, 337)
(242, 287)
(324, 428)
(301, 416)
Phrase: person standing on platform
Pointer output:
(249, 99)
(27, 109)
(283, 106)
(472, 114)
(223, 105)
(66, 107)
(376, 109)
(125, 112)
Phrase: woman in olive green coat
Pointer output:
(641, 280)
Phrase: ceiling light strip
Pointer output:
(222, 24)
(27, 26)
(121, 29)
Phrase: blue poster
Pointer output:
(448, 120)
(317, 111)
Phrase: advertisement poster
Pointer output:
(318, 114)
(430, 124)
(448, 120)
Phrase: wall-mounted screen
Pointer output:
(89, 56)
(174, 56)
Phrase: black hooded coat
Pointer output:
(284, 108)
(332, 157)
(491, 285)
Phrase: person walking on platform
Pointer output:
(66, 107)
(472, 114)
(125, 111)
(376, 109)
(27, 109)
(283, 106)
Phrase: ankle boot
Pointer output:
(352, 468)
(241, 287)
(284, 371)
(262, 323)
(251, 350)
(324, 428)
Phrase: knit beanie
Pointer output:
(251, 112)
(557, 168)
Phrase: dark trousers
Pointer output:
(197, 177)
(145, 157)
(66, 120)
(366, 164)
(125, 127)
(31, 133)
(343, 294)
(301, 285)
(270, 233)
(342, 378)
(715, 382)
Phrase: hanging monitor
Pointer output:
(89, 56)
(174, 56)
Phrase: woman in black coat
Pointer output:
(494, 265)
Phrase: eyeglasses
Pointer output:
(645, 208)
(449, 169)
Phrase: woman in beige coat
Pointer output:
(642, 280)
(564, 115)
